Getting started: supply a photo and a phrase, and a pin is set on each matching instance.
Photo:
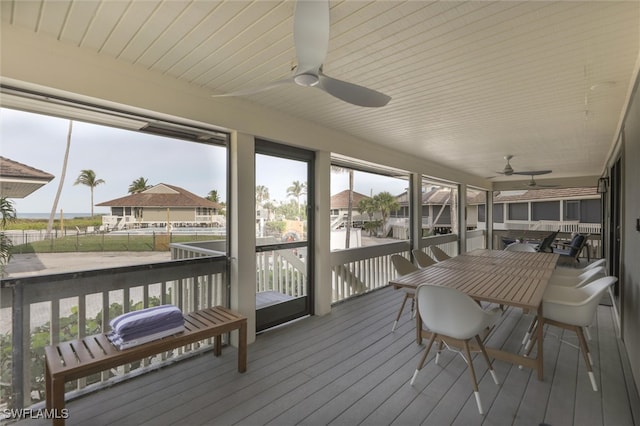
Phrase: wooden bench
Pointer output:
(79, 358)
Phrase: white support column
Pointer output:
(488, 211)
(242, 231)
(462, 216)
(322, 224)
(415, 210)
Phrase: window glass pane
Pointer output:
(545, 210)
(439, 208)
(518, 211)
(572, 210)
(126, 194)
(281, 199)
(476, 205)
(378, 206)
(498, 213)
(590, 211)
(482, 213)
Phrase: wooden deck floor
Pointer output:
(348, 368)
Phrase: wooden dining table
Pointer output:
(507, 278)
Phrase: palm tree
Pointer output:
(137, 186)
(262, 194)
(368, 207)
(88, 178)
(213, 196)
(54, 207)
(386, 204)
(296, 190)
(8, 214)
(349, 222)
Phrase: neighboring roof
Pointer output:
(161, 195)
(18, 180)
(341, 199)
(437, 196)
(547, 193)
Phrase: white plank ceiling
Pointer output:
(471, 82)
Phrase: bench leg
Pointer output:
(56, 400)
(48, 387)
(242, 348)
(217, 348)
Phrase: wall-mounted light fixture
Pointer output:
(603, 184)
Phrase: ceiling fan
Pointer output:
(508, 170)
(311, 39)
(533, 184)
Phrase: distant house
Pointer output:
(339, 205)
(18, 180)
(570, 208)
(162, 205)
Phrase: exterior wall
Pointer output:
(631, 235)
(160, 214)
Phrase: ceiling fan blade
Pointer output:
(311, 34)
(253, 90)
(533, 173)
(352, 93)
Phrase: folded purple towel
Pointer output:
(147, 321)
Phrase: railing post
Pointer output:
(17, 343)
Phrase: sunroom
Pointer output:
(554, 84)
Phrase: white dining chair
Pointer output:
(438, 253)
(572, 272)
(572, 309)
(578, 280)
(403, 267)
(455, 318)
(423, 259)
(520, 247)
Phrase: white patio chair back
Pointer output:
(577, 271)
(520, 247)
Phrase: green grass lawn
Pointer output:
(90, 242)
(106, 242)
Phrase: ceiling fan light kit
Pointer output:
(306, 80)
(311, 26)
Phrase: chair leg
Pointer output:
(527, 335)
(476, 392)
(587, 333)
(532, 341)
(395, 323)
(440, 344)
(486, 358)
(585, 353)
(424, 358)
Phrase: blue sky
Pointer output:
(121, 156)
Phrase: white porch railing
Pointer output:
(47, 309)
(567, 226)
(360, 270)
(476, 239)
(282, 271)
